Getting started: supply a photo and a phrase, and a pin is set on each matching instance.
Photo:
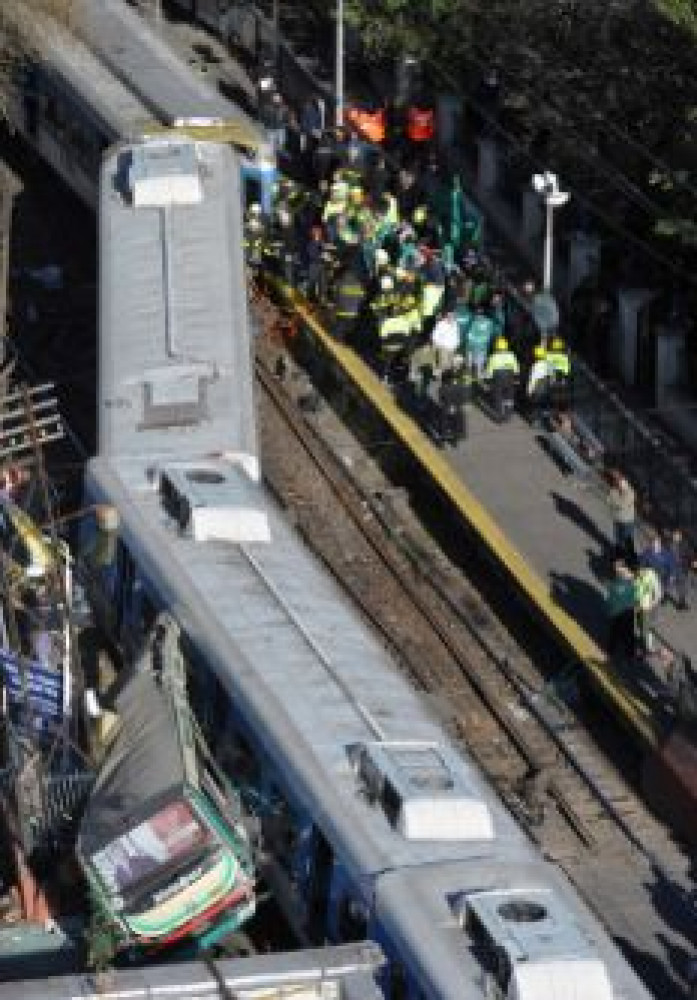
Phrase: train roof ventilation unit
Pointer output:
(165, 173)
(214, 501)
(534, 946)
(423, 789)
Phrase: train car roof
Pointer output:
(63, 54)
(528, 909)
(175, 366)
(317, 686)
(343, 972)
(161, 79)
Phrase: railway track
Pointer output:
(575, 804)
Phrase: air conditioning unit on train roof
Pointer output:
(535, 944)
(164, 173)
(423, 789)
(214, 501)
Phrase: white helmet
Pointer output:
(386, 283)
(255, 208)
(382, 258)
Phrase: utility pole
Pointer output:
(339, 73)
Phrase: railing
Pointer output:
(667, 493)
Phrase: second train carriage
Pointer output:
(145, 63)
(66, 105)
(375, 826)
(70, 103)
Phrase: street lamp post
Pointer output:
(547, 186)
(339, 71)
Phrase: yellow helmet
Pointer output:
(420, 215)
(539, 352)
(501, 344)
(557, 344)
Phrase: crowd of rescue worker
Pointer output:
(392, 252)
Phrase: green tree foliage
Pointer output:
(417, 27)
(683, 12)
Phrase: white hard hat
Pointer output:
(381, 257)
(255, 208)
(386, 283)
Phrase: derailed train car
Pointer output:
(374, 824)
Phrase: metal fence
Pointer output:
(667, 492)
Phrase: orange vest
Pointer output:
(371, 125)
(421, 124)
(374, 125)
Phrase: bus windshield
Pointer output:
(171, 835)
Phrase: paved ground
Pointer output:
(559, 523)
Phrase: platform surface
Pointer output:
(559, 522)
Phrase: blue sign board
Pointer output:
(44, 687)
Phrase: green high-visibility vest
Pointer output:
(502, 361)
(558, 362)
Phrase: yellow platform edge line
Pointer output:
(634, 710)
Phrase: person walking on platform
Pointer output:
(622, 501)
(501, 371)
(620, 602)
(538, 386)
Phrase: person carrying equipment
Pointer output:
(538, 385)
(559, 367)
(501, 370)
